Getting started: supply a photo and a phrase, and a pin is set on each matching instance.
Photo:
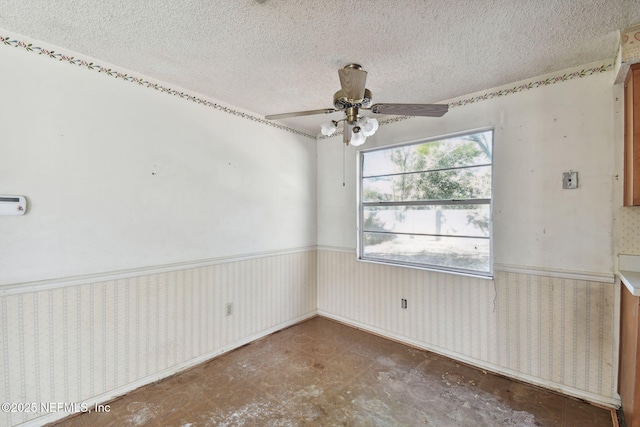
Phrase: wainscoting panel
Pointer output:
(555, 332)
(90, 342)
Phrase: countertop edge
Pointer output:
(631, 280)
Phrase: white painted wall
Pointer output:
(539, 134)
(120, 176)
(549, 315)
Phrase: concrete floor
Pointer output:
(322, 373)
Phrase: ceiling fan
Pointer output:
(354, 97)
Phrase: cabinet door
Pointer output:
(632, 137)
(628, 373)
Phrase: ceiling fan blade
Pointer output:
(352, 80)
(300, 113)
(428, 110)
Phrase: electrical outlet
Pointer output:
(229, 309)
(403, 303)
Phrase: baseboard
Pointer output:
(107, 397)
(560, 388)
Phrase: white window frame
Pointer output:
(438, 268)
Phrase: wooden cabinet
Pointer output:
(629, 373)
(632, 137)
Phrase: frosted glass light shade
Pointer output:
(369, 127)
(328, 129)
(357, 138)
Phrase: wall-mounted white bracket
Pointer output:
(13, 205)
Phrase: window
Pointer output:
(428, 204)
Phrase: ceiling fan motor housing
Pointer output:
(340, 101)
(351, 106)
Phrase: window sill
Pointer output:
(488, 276)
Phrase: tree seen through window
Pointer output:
(428, 203)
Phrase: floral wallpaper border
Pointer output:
(29, 47)
(503, 92)
(142, 82)
(532, 85)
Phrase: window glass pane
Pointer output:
(453, 220)
(409, 204)
(450, 252)
(466, 183)
(466, 150)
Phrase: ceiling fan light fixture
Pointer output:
(357, 137)
(368, 126)
(329, 129)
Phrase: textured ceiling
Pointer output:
(277, 56)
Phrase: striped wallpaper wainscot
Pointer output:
(556, 332)
(93, 341)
